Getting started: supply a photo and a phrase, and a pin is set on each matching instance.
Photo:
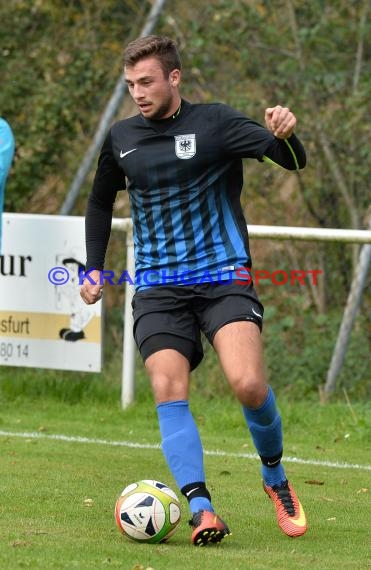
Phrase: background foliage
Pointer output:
(60, 59)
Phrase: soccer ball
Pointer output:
(147, 511)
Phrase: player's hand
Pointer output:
(92, 292)
(280, 121)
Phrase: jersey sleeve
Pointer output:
(246, 138)
(108, 180)
(242, 137)
(288, 153)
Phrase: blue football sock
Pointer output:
(273, 475)
(200, 504)
(182, 448)
(266, 430)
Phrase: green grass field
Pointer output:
(58, 494)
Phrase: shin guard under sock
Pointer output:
(266, 430)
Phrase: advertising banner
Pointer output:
(43, 321)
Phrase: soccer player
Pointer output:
(182, 166)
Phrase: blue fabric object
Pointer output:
(200, 504)
(265, 414)
(181, 442)
(6, 157)
(273, 475)
(267, 439)
(266, 430)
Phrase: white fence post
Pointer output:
(128, 353)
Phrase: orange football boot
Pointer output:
(207, 528)
(290, 514)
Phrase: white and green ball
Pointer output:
(147, 511)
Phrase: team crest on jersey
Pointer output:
(185, 146)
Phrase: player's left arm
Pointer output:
(286, 150)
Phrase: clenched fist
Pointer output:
(280, 121)
(92, 290)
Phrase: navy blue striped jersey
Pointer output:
(184, 178)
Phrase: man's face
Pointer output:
(157, 96)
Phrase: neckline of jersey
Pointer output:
(163, 124)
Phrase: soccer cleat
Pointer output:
(290, 514)
(207, 528)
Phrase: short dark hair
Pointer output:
(161, 47)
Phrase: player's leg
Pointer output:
(239, 347)
(181, 444)
(168, 361)
(232, 321)
(168, 371)
(169, 356)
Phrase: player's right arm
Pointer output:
(109, 178)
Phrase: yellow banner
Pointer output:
(51, 326)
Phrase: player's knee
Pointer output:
(167, 388)
(251, 391)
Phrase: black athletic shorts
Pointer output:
(173, 316)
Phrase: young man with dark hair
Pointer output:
(182, 166)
